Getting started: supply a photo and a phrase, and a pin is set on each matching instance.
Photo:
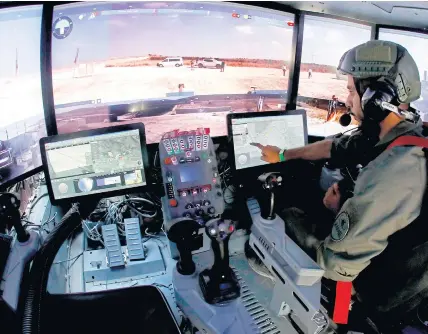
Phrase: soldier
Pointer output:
(374, 240)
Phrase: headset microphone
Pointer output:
(345, 119)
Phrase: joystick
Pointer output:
(219, 284)
(10, 216)
(270, 181)
(183, 232)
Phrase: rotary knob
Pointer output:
(199, 212)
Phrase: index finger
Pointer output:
(260, 146)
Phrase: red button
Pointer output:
(168, 161)
(173, 203)
(231, 228)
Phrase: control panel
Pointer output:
(190, 175)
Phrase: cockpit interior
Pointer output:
(137, 195)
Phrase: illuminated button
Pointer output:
(173, 202)
(204, 155)
(188, 154)
(213, 231)
(182, 160)
(198, 204)
(168, 161)
(183, 194)
(279, 179)
(194, 191)
(205, 190)
(169, 179)
(197, 159)
(209, 161)
(231, 228)
(214, 180)
(215, 175)
(174, 160)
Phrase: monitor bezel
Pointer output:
(232, 116)
(89, 133)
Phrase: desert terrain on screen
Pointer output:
(138, 78)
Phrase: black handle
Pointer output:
(185, 265)
(221, 256)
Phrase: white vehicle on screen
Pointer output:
(209, 63)
(171, 62)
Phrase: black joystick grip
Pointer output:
(270, 181)
(10, 216)
(182, 233)
(219, 284)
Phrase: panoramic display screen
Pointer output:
(322, 90)
(167, 64)
(23, 122)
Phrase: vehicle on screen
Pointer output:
(209, 63)
(6, 157)
(171, 62)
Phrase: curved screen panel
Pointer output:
(22, 119)
(167, 64)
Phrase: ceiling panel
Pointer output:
(413, 14)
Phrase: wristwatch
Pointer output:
(281, 155)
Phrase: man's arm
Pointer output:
(387, 198)
(316, 151)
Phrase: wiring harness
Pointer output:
(114, 211)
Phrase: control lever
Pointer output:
(219, 284)
(182, 232)
(270, 181)
(10, 215)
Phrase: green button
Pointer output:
(204, 156)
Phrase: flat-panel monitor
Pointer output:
(285, 130)
(22, 121)
(179, 64)
(102, 162)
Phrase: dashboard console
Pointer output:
(191, 177)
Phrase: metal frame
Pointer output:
(399, 28)
(46, 70)
(296, 59)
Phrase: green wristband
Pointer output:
(281, 155)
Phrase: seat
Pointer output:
(142, 310)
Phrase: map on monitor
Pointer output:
(284, 130)
(94, 164)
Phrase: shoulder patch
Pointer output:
(340, 227)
